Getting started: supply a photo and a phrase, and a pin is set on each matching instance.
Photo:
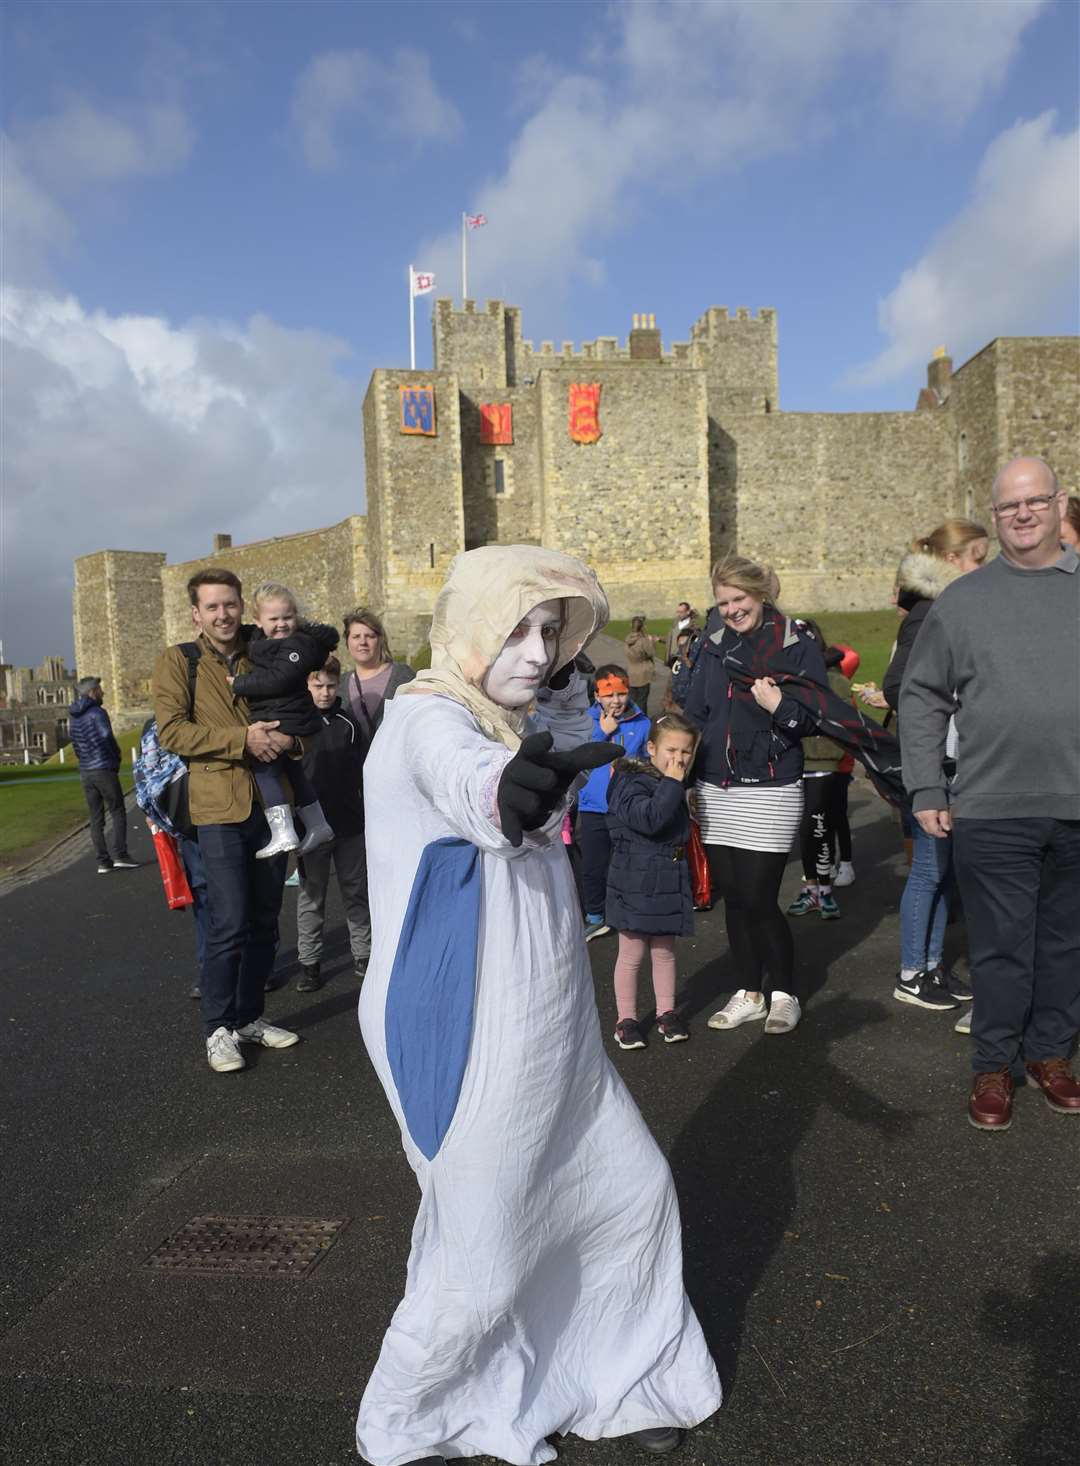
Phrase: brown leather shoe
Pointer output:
(1061, 1089)
(990, 1101)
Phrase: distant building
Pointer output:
(647, 463)
(33, 709)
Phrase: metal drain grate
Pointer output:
(263, 1247)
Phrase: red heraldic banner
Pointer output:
(585, 412)
(496, 422)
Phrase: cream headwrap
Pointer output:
(487, 593)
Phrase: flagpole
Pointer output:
(464, 265)
(412, 324)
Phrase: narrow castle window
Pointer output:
(431, 552)
(500, 476)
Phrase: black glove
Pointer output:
(536, 779)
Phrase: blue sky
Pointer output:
(209, 211)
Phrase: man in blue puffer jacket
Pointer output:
(615, 720)
(99, 761)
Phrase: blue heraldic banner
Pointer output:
(418, 410)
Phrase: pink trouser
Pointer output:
(632, 949)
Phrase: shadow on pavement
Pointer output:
(733, 1162)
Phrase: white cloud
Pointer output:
(128, 432)
(674, 94)
(83, 145)
(31, 223)
(1009, 255)
(398, 96)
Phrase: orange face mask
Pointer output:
(605, 686)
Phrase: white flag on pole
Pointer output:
(422, 283)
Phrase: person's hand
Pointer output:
(766, 694)
(936, 822)
(873, 697)
(263, 743)
(229, 680)
(608, 723)
(536, 778)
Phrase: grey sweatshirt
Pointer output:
(1001, 649)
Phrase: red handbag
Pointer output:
(700, 880)
(173, 876)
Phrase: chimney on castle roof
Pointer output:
(939, 373)
(222, 542)
(645, 343)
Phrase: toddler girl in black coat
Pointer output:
(285, 650)
(649, 902)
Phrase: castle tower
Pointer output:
(119, 625)
(415, 516)
(739, 358)
(479, 346)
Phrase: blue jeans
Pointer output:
(191, 855)
(243, 898)
(924, 906)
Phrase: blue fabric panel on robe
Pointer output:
(432, 989)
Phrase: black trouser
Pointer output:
(640, 696)
(595, 858)
(758, 931)
(817, 833)
(243, 897)
(102, 791)
(272, 790)
(1020, 883)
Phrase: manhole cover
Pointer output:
(255, 1246)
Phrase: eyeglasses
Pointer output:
(1038, 505)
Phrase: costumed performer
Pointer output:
(544, 1293)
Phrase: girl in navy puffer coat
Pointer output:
(648, 889)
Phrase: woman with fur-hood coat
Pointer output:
(923, 574)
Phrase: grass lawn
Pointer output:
(41, 802)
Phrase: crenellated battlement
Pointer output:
(717, 319)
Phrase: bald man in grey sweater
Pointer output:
(1000, 649)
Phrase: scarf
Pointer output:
(750, 727)
(488, 592)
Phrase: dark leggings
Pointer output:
(820, 822)
(758, 932)
(271, 789)
(843, 829)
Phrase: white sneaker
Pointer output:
(738, 1009)
(261, 1032)
(843, 874)
(784, 1013)
(963, 1023)
(223, 1051)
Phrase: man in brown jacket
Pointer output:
(216, 740)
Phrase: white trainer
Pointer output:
(223, 1051)
(261, 1032)
(738, 1009)
(963, 1023)
(784, 1013)
(844, 874)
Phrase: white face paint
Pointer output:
(520, 668)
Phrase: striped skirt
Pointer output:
(750, 816)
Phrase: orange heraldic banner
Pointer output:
(496, 422)
(585, 412)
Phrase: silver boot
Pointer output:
(283, 836)
(316, 831)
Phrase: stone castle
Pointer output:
(647, 463)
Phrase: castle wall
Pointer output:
(1039, 388)
(326, 568)
(119, 625)
(832, 500)
(739, 357)
(511, 516)
(634, 505)
(975, 405)
(472, 344)
(416, 521)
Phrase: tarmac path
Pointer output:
(881, 1284)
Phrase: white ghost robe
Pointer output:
(544, 1292)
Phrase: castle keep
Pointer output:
(647, 463)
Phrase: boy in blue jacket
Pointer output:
(615, 720)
